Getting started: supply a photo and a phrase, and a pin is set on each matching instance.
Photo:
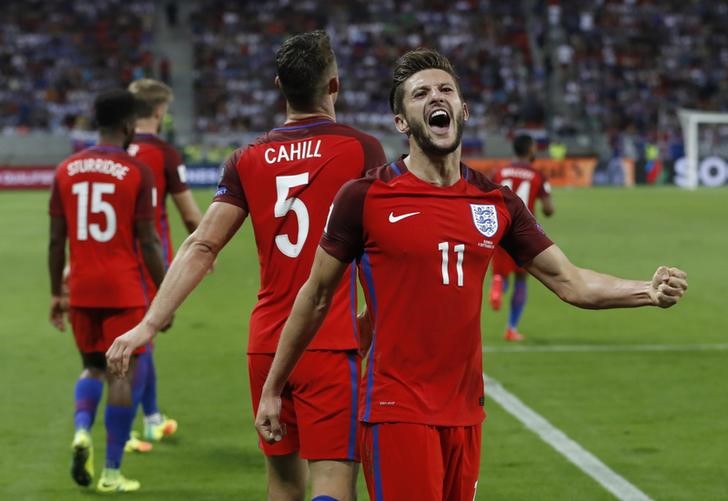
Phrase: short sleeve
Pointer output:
(524, 239)
(343, 236)
(146, 197)
(174, 171)
(55, 206)
(230, 187)
(373, 154)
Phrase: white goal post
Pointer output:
(690, 120)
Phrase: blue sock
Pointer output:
(139, 381)
(324, 498)
(118, 427)
(149, 397)
(518, 302)
(87, 395)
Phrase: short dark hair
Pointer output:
(413, 62)
(301, 65)
(113, 108)
(522, 145)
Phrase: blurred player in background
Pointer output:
(286, 182)
(153, 100)
(529, 185)
(102, 203)
(423, 230)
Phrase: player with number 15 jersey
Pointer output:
(101, 191)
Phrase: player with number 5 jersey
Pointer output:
(286, 182)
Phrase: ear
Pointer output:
(401, 124)
(277, 82)
(334, 85)
(466, 112)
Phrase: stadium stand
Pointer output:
(55, 55)
(604, 70)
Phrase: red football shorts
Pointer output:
(503, 263)
(96, 328)
(319, 404)
(417, 461)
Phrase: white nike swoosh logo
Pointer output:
(394, 219)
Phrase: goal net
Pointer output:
(705, 136)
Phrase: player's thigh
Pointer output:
(258, 368)
(117, 321)
(325, 388)
(402, 461)
(87, 329)
(336, 479)
(461, 457)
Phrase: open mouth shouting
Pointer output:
(439, 121)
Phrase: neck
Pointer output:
(111, 140)
(439, 170)
(146, 126)
(323, 109)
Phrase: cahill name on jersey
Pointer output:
(423, 252)
(286, 181)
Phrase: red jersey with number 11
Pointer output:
(287, 181)
(423, 251)
(101, 192)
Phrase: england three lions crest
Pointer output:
(485, 218)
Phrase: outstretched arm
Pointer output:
(308, 313)
(590, 289)
(188, 269)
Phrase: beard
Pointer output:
(418, 129)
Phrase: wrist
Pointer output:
(270, 391)
(152, 324)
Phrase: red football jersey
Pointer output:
(525, 181)
(169, 177)
(423, 252)
(100, 192)
(287, 181)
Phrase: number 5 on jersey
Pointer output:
(284, 205)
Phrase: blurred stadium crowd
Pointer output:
(563, 66)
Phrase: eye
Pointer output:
(446, 88)
(419, 94)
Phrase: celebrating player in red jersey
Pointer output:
(286, 181)
(423, 231)
(529, 184)
(170, 176)
(102, 203)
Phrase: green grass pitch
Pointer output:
(658, 418)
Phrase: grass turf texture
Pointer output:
(656, 418)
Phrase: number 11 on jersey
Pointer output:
(459, 249)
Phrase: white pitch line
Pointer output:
(580, 457)
(582, 348)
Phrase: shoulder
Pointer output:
(481, 181)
